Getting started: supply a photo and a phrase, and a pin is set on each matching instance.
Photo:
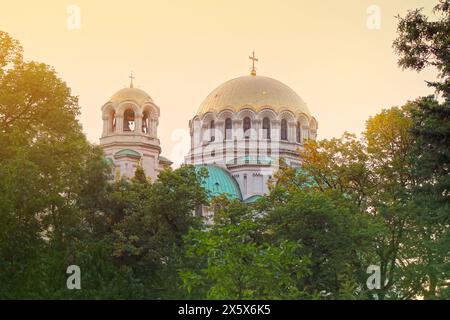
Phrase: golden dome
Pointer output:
(134, 94)
(256, 93)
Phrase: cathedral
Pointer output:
(239, 134)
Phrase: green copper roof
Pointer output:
(252, 199)
(219, 182)
(164, 160)
(308, 179)
(108, 160)
(127, 153)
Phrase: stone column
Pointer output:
(155, 128)
(291, 131)
(119, 123)
(138, 124)
(237, 128)
(205, 133)
(238, 138)
(313, 134)
(276, 130)
(276, 137)
(220, 130)
(305, 133)
(152, 127)
(106, 129)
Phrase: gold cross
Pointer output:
(131, 77)
(253, 58)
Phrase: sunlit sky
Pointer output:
(180, 50)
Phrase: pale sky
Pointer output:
(180, 50)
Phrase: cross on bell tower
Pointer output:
(131, 77)
(253, 58)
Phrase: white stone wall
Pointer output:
(222, 150)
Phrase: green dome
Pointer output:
(220, 182)
(308, 179)
(127, 153)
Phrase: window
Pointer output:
(258, 184)
(245, 184)
(145, 122)
(228, 128)
(128, 120)
(212, 128)
(247, 152)
(247, 126)
(284, 133)
(299, 132)
(266, 128)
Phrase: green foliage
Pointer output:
(139, 175)
(430, 162)
(421, 43)
(233, 261)
(148, 239)
(377, 174)
(42, 151)
(333, 232)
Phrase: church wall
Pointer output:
(252, 178)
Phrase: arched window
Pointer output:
(299, 132)
(145, 125)
(245, 184)
(113, 121)
(266, 128)
(284, 132)
(212, 128)
(128, 120)
(247, 126)
(228, 128)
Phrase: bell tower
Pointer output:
(130, 133)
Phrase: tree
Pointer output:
(10, 51)
(430, 161)
(42, 153)
(339, 164)
(139, 175)
(229, 260)
(332, 231)
(375, 173)
(421, 43)
(389, 145)
(148, 240)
